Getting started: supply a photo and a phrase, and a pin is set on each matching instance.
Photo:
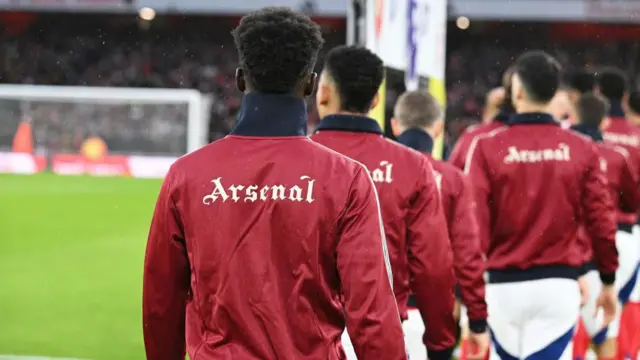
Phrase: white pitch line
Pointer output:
(22, 357)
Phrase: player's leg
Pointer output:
(592, 324)
(626, 242)
(507, 305)
(550, 324)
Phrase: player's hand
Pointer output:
(584, 290)
(607, 303)
(456, 310)
(478, 345)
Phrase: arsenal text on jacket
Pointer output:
(562, 153)
(253, 193)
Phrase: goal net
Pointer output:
(99, 130)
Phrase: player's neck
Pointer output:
(526, 108)
(349, 113)
(634, 118)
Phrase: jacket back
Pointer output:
(275, 243)
(414, 223)
(458, 156)
(458, 206)
(622, 183)
(621, 132)
(535, 183)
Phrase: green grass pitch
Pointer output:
(71, 255)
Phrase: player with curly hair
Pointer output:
(264, 245)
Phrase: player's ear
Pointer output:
(438, 127)
(241, 83)
(376, 100)
(395, 127)
(310, 85)
(323, 95)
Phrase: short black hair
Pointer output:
(592, 109)
(357, 73)
(581, 81)
(634, 101)
(539, 73)
(417, 109)
(612, 83)
(277, 47)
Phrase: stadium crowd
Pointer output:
(198, 53)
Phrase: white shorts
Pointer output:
(351, 354)
(348, 346)
(635, 293)
(533, 320)
(627, 245)
(413, 331)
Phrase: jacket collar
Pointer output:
(590, 131)
(352, 123)
(532, 118)
(502, 116)
(271, 115)
(417, 139)
(615, 109)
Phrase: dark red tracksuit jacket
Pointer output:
(414, 223)
(458, 155)
(535, 183)
(457, 202)
(622, 180)
(263, 245)
(623, 133)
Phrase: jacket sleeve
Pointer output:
(629, 189)
(459, 153)
(430, 263)
(599, 218)
(468, 257)
(373, 320)
(165, 282)
(476, 171)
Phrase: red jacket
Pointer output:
(263, 245)
(458, 155)
(414, 223)
(457, 202)
(534, 184)
(622, 180)
(622, 132)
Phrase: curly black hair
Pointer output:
(357, 73)
(540, 75)
(277, 47)
(612, 83)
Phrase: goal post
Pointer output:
(102, 130)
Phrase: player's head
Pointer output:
(278, 49)
(632, 107)
(561, 107)
(578, 83)
(535, 80)
(417, 110)
(592, 109)
(611, 83)
(349, 82)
